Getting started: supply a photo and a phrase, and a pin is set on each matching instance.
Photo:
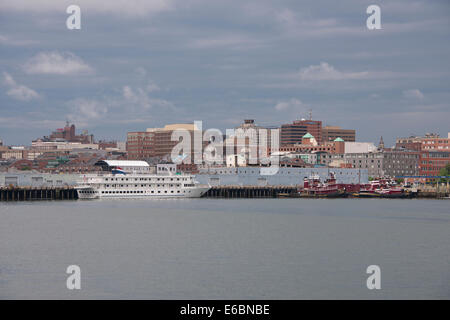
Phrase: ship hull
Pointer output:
(91, 193)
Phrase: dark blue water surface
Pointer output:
(226, 249)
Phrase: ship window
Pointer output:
(159, 191)
(171, 191)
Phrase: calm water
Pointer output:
(226, 249)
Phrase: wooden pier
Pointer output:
(250, 191)
(69, 193)
(41, 193)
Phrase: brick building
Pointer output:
(433, 151)
(431, 162)
(293, 133)
(157, 142)
(385, 163)
(330, 133)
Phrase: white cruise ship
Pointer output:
(119, 184)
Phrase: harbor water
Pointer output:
(225, 248)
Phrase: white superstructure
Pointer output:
(132, 179)
(139, 186)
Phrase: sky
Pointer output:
(136, 64)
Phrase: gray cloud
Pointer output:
(56, 63)
(324, 71)
(413, 94)
(157, 62)
(18, 91)
(123, 8)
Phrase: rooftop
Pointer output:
(126, 163)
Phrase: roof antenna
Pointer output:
(310, 114)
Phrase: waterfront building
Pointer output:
(386, 163)
(433, 152)
(276, 176)
(431, 162)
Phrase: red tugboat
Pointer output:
(313, 188)
(382, 188)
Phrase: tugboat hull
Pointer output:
(334, 194)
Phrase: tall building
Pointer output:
(157, 142)
(330, 133)
(139, 145)
(257, 137)
(293, 133)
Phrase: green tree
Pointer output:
(445, 172)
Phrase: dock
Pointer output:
(230, 192)
(251, 191)
(40, 193)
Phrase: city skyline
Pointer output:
(52, 131)
(170, 62)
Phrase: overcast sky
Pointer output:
(137, 64)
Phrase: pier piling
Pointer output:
(41, 193)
